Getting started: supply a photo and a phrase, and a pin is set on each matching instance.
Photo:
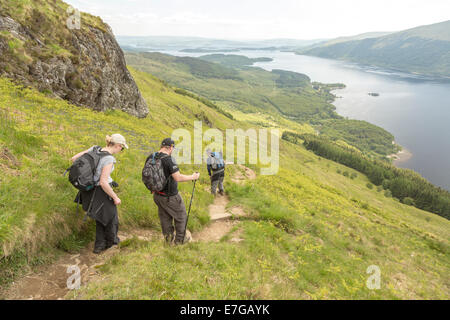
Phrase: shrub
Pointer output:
(353, 175)
(369, 185)
(388, 193)
(408, 201)
(346, 174)
(401, 182)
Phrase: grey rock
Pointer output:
(95, 76)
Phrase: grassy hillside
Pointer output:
(311, 234)
(40, 134)
(249, 89)
(317, 242)
(423, 50)
(278, 94)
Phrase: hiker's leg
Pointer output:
(164, 217)
(214, 184)
(221, 184)
(111, 230)
(116, 230)
(180, 217)
(176, 209)
(100, 239)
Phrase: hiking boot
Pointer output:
(221, 192)
(187, 239)
(98, 250)
(169, 238)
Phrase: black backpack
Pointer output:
(81, 173)
(153, 173)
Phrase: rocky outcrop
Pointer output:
(85, 66)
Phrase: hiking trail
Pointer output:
(49, 282)
(223, 220)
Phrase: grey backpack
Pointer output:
(217, 162)
(153, 173)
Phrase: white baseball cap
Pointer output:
(119, 139)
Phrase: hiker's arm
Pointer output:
(106, 171)
(178, 177)
(209, 169)
(75, 157)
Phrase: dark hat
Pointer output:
(167, 143)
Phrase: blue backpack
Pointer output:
(217, 162)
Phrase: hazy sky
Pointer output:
(263, 19)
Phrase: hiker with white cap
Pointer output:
(101, 202)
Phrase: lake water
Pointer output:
(414, 109)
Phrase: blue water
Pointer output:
(414, 109)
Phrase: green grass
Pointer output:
(311, 233)
(39, 135)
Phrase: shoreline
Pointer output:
(397, 158)
(400, 157)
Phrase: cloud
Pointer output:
(302, 19)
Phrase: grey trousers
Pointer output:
(215, 183)
(170, 210)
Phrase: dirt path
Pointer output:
(222, 219)
(243, 174)
(50, 282)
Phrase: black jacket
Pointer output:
(102, 209)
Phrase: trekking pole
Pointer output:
(190, 204)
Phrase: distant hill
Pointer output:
(232, 60)
(197, 44)
(423, 50)
(361, 36)
(226, 81)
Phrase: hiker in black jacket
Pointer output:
(103, 201)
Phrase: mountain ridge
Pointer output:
(421, 50)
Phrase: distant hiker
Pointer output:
(161, 176)
(216, 170)
(101, 201)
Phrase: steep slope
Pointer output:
(39, 134)
(311, 232)
(423, 50)
(82, 64)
